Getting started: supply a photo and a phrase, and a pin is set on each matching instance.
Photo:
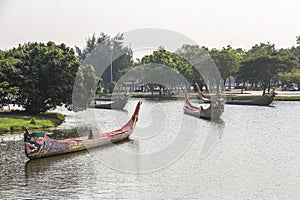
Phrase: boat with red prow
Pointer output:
(39, 144)
(264, 100)
(213, 111)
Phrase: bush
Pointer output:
(33, 121)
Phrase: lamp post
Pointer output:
(111, 65)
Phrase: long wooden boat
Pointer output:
(264, 100)
(39, 144)
(117, 104)
(214, 111)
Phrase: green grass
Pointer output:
(287, 98)
(15, 120)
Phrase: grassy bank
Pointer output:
(287, 98)
(15, 120)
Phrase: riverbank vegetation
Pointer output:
(40, 76)
(17, 120)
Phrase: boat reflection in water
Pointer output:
(36, 167)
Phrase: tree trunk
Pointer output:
(264, 87)
(244, 82)
(269, 86)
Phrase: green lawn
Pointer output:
(16, 120)
(287, 98)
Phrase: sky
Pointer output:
(211, 23)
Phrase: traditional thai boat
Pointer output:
(214, 111)
(39, 144)
(264, 100)
(117, 104)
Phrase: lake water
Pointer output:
(252, 153)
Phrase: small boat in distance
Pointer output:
(109, 103)
(264, 100)
(39, 144)
(214, 111)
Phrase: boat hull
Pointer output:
(75, 146)
(264, 100)
(117, 104)
(39, 144)
(213, 112)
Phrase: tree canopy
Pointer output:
(8, 72)
(46, 75)
(227, 60)
(262, 63)
(104, 53)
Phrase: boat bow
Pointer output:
(39, 144)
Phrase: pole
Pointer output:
(111, 65)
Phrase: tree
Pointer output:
(85, 87)
(47, 74)
(7, 93)
(291, 77)
(105, 53)
(195, 56)
(262, 63)
(175, 62)
(205, 70)
(227, 61)
(298, 40)
(296, 50)
(8, 80)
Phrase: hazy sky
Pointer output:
(212, 23)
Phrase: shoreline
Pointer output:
(15, 120)
(235, 94)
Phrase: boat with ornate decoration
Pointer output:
(39, 144)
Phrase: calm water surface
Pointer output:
(252, 153)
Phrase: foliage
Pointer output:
(8, 72)
(172, 60)
(262, 63)
(296, 52)
(298, 40)
(7, 93)
(227, 61)
(291, 77)
(111, 86)
(195, 56)
(165, 70)
(46, 75)
(205, 71)
(104, 53)
(85, 87)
